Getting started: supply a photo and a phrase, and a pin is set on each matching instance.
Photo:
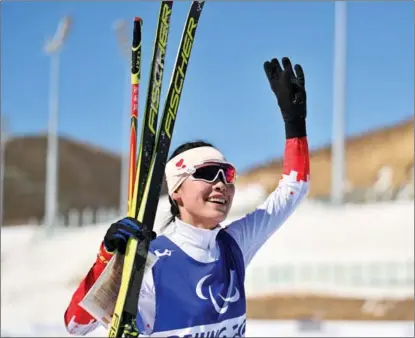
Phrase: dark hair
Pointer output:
(174, 209)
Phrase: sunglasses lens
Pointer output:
(230, 174)
(210, 172)
(207, 173)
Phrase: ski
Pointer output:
(151, 111)
(148, 207)
(146, 195)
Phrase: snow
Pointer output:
(40, 273)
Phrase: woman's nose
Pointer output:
(220, 184)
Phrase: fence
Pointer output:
(377, 278)
(76, 218)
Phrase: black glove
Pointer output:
(119, 232)
(291, 95)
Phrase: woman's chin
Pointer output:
(219, 215)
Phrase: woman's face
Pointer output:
(203, 204)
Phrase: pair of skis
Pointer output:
(146, 171)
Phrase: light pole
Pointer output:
(52, 48)
(3, 140)
(339, 103)
(120, 28)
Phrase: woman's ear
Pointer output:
(176, 196)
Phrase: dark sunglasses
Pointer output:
(210, 173)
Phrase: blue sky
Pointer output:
(226, 98)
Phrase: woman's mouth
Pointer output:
(218, 200)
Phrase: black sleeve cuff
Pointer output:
(295, 128)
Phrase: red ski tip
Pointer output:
(137, 19)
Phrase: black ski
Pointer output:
(151, 111)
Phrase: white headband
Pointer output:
(183, 165)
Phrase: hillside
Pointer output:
(90, 176)
(365, 155)
(87, 177)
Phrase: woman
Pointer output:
(196, 286)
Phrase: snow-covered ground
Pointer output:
(40, 273)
